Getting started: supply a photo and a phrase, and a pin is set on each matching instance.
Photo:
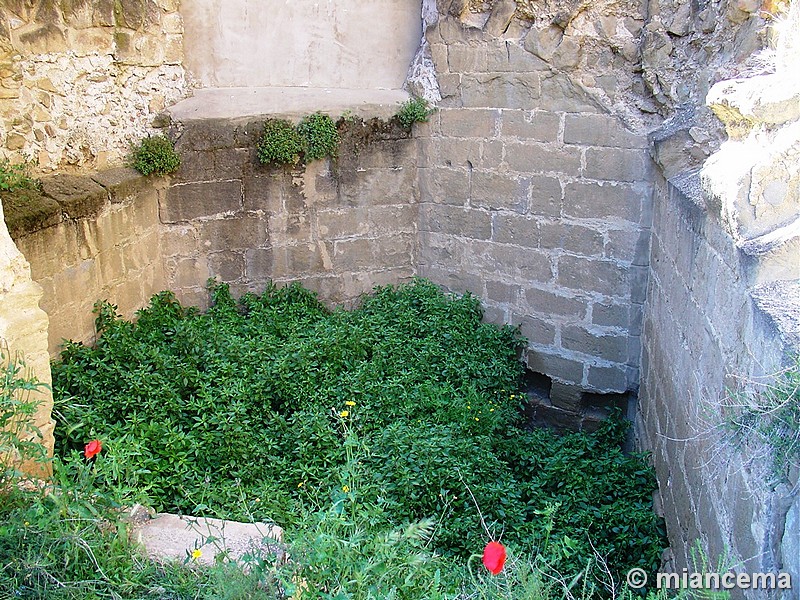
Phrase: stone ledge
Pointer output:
(780, 303)
(286, 102)
(63, 197)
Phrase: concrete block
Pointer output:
(604, 200)
(495, 191)
(610, 347)
(234, 233)
(607, 379)
(537, 126)
(477, 123)
(444, 186)
(602, 276)
(515, 229)
(572, 238)
(618, 164)
(520, 90)
(465, 222)
(535, 330)
(539, 158)
(557, 367)
(600, 130)
(549, 303)
(193, 200)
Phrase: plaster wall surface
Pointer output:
(358, 44)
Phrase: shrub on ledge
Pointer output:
(280, 143)
(155, 155)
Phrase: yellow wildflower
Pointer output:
(349, 403)
(196, 553)
(344, 413)
(345, 488)
(301, 484)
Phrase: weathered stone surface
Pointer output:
(192, 200)
(520, 90)
(495, 191)
(537, 126)
(77, 196)
(614, 164)
(174, 538)
(538, 158)
(605, 200)
(605, 277)
(600, 130)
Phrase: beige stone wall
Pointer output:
(80, 80)
(339, 227)
(356, 44)
(24, 326)
(110, 252)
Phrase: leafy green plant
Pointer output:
(320, 137)
(414, 110)
(155, 155)
(280, 143)
(15, 176)
(271, 405)
(20, 439)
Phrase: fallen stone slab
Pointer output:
(168, 537)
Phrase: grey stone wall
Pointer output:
(340, 227)
(537, 200)
(704, 335)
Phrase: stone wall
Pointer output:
(340, 227)
(23, 331)
(537, 199)
(723, 317)
(80, 80)
(89, 239)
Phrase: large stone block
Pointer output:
(77, 196)
(590, 200)
(535, 330)
(608, 346)
(241, 233)
(609, 314)
(520, 90)
(539, 158)
(572, 238)
(558, 368)
(513, 261)
(600, 130)
(444, 186)
(496, 191)
(608, 379)
(549, 303)
(193, 200)
(602, 276)
(227, 266)
(618, 164)
(465, 222)
(477, 123)
(463, 58)
(546, 196)
(537, 126)
(515, 229)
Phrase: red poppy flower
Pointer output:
(494, 557)
(92, 448)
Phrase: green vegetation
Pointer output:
(765, 419)
(15, 177)
(19, 438)
(315, 137)
(156, 155)
(414, 110)
(363, 433)
(280, 143)
(320, 137)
